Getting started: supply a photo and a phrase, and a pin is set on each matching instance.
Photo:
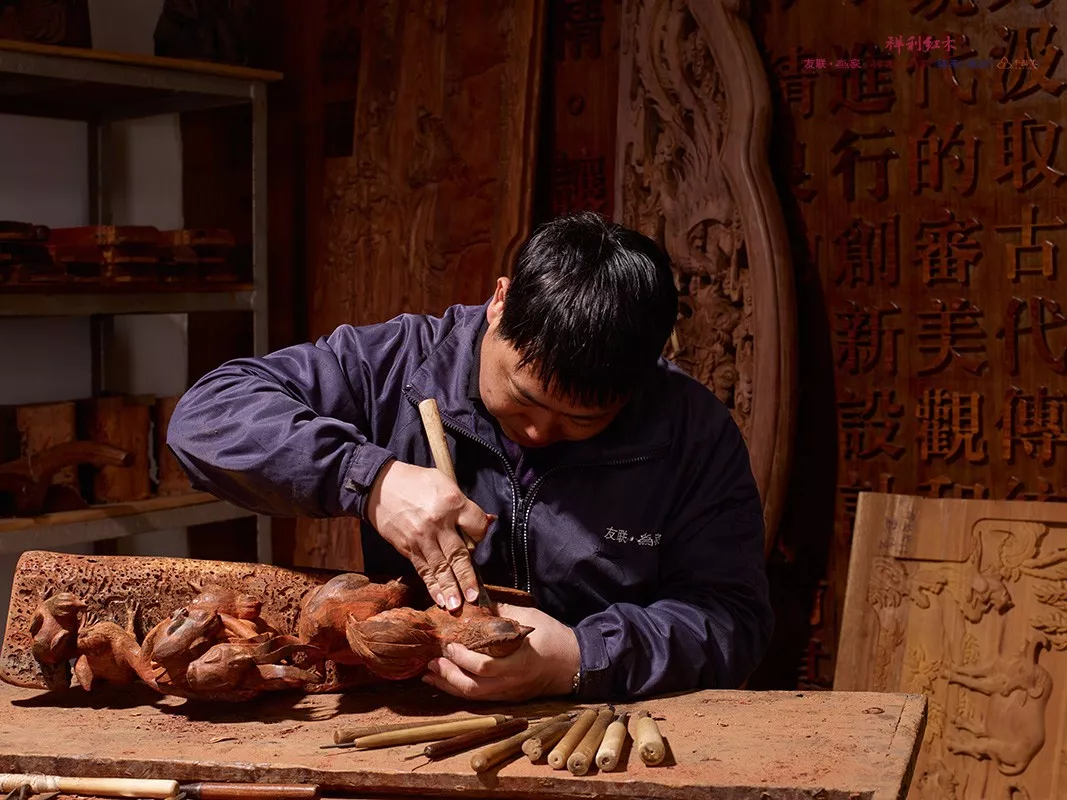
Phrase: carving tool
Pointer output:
(345, 736)
(465, 741)
(435, 434)
(648, 739)
(495, 753)
(537, 746)
(427, 733)
(102, 787)
(581, 759)
(607, 757)
(557, 759)
(248, 791)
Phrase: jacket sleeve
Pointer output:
(290, 433)
(711, 620)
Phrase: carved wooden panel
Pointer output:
(582, 85)
(429, 137)
(965, 601)
(921, 143)
(692, 171)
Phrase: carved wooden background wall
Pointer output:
(965, 601)
(922, 144)
(426, 120)
(693, 173)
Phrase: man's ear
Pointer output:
(496, 305)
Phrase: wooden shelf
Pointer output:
(56, 304)
(114, 521)
(80, 83)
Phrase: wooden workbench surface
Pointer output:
(734, 744)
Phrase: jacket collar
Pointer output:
(450, 375)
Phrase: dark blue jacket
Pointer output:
(647, 539)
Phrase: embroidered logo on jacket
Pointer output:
(625, 537)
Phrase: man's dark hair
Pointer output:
(590, 307)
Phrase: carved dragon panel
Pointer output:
(692, 172)
(965, 601)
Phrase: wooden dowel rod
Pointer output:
(557, 759)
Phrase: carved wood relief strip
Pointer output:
(429, 168)
(965, 601)
(692, 172)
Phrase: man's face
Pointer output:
(528, 415)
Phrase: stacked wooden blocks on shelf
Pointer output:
(109, 256)
(69, 455)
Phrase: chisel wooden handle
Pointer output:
(349, 735)
(648, 739)
(490, 756)
(581, 759)
(248, 791)
(537, 746)
(607, 757)
(557, 759)
(465, 741)
(101, 787)
(428, 733)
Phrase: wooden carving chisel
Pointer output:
(465, 741)
(101, 787)
(579, 761)
(557, 759)
(442, 459)
(648, 740)
(495, 753)
(205, 790)
(345, 736)
(427, 733)
(607, 757)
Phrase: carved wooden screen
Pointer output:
(429, 128)
(925, 160)
(965, 601)
(692, 172)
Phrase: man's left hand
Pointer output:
(544, 665)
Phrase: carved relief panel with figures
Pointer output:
(965, 601)
(692, 172)
(921, 142)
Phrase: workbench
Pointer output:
(728, 744)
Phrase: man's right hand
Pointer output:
(418, 510)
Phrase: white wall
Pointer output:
(45, 180)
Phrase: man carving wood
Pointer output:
(592, 473)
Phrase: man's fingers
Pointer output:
(473, 521)
(460, 561)
(429, 577)
(473, 663)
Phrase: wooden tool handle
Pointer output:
(557, 759)
(435, 433)
(248, 791)
(648, 740)
(428, 733)
(349, 735)
(465, 741)
(581, 759)
(607, 757)
(102, 787)
(495, 753)
(537, 746)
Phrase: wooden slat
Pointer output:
(138, 60)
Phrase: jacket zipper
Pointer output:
(525, 529)
(516, 494)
